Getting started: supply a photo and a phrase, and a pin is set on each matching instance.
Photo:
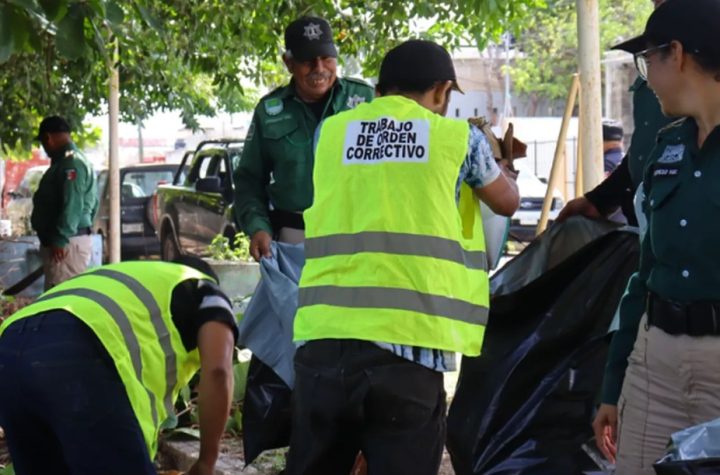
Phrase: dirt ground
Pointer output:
(269, 463)
(180, 455)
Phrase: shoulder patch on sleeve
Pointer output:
(273, 106)
(70, 174)
(354, 100)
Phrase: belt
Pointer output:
(675, 318)
(286, 219)
(83, 231)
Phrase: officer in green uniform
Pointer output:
(671, 381)
(64, 204)
(273, 182)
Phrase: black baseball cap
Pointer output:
(416, 61)
(612, 130)
(308, 38)
(52, 124)
(694, 23)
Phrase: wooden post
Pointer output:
(113, 236)
(559, 151)
(579, 151)
(591, 112)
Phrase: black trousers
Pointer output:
(63, 406)
(351, 396)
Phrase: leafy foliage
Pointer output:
(198, 57)
(548, 43)
(222, 249)
(185, 421)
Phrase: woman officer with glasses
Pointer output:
(673, 376)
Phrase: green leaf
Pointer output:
(97, 7)
(51, 8)
(194, 433)
(148, 18)
(185, 393)
(70, 36)
(29, 5)
(170, 422)
(34, 40)
(115, 13)
(7, 41)
(8, 470)
(240, 372)
(14, 31)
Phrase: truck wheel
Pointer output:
(169, 249)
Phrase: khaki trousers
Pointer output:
(76, 261)
(672, 382)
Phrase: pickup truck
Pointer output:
(191, 211)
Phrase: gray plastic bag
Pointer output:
(267, 325)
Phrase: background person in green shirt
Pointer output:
(64, 204)
(273, 182)
(672, 379)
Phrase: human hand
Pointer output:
(202, 468)
(605, 428)
(260, 245)
(579, 206)
(58, 253)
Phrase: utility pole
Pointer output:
(590, 92)
(507, 101)
(141, 148)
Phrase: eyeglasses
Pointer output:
(641, 59)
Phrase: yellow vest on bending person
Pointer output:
(127, 306)
(391, 256)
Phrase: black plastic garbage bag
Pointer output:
(709, 466)
(525, 406)
(266, 411)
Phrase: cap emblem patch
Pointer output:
(312, 31)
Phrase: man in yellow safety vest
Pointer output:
(89, 372)
(395, 281)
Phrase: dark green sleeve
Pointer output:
(632, 308)
(72, 180)
(251, 178)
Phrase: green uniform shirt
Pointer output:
(649, 119)
(277, 160)
(679, 257)
(66, 199)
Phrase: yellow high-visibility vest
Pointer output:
(391, 256)
(127, 305)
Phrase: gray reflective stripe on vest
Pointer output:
(122, 320)
(163, 333)
(395, 243)
(401, 299)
